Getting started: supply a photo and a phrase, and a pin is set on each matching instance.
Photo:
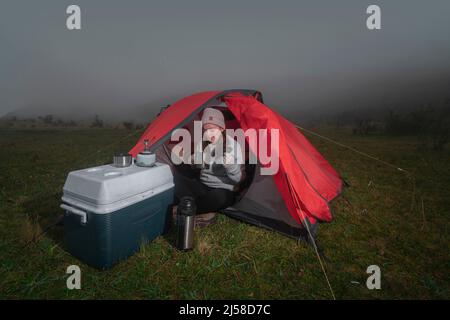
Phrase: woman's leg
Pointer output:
(208, 200)
(214, 199)
(185, 186)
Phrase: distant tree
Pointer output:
(97, 123)
(59, 122)
(364, 127)
(48, 119)
(397, 124)
(71, 123)
(128, 125)
(430, 123)
(422, 119)
(440, 128)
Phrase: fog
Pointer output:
(302, 55)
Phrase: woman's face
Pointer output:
(211, 132)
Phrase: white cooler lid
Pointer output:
(104, 185)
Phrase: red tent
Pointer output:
(298, 193)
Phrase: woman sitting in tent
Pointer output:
(215, 189)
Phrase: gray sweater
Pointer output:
(225, 176)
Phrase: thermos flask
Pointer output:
(185, 223)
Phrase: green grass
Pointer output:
(378, 221)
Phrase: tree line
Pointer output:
(50, 120)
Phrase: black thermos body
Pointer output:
(185, 223)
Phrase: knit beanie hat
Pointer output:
(214, 116)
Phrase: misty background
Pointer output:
(307, 57)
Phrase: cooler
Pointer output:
(110, 211)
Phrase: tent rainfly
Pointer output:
(291, 201)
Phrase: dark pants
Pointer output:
(206, 198)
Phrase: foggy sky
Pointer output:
(300, 54)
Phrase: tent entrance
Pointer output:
(163, 154)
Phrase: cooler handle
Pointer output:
(77, 212)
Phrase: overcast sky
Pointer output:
(300, 54)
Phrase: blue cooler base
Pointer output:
(108, 238)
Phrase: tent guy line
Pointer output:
(408, 173)
(354, 150)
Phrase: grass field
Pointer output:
(386, 218)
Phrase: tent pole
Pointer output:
(305, 222)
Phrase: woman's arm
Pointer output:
(234, 172)
(233, 163)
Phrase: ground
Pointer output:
(387, 217)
